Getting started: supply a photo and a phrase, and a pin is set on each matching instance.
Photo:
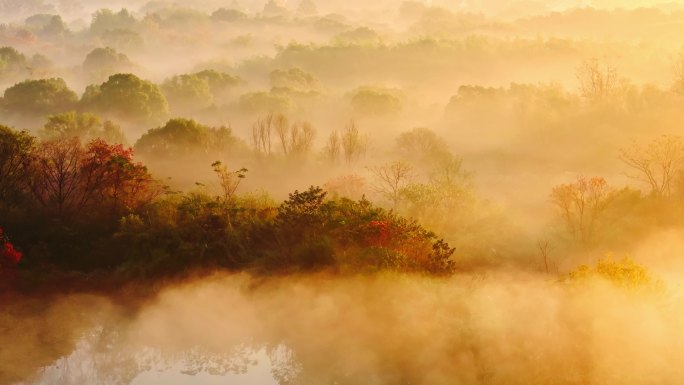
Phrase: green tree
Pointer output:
(127, 97)
(102, 62)
(105, 20)
(182, 138)
(12, 62)
(302, 208)
(220, 83)
(84, 126)
(39, 98)
(187, 93)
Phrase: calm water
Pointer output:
(87, 365)
(384, 330)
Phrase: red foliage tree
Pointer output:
(119, 182)
(9, 256)
(67, 178)
(378, 233)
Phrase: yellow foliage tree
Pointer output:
(624, 273)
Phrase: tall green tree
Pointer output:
(127, 97)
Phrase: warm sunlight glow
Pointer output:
(300, 192)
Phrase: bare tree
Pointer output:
(302, 136)
(597, 81)
(581, 205)
(56, 177)
(261, 135)
(229, 182)
(282, 129)
(295, 139)
(353, 143)
(543, 246)
(658, 164)
(333, 147)
(390, 179)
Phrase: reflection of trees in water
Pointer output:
(107, 355)
(97, 358)
(237, 360)
(112, 355)
(285, 368)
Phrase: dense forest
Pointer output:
(326, 191)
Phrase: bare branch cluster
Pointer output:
(597, 81)
(391, 178)
(349, 143)
(581, 205)
(658, 164)
(295, 139)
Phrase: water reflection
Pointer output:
(387, 330)
(105, 356)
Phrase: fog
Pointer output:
(501, 192)
(502, 327)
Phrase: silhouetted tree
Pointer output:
(15, 156)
